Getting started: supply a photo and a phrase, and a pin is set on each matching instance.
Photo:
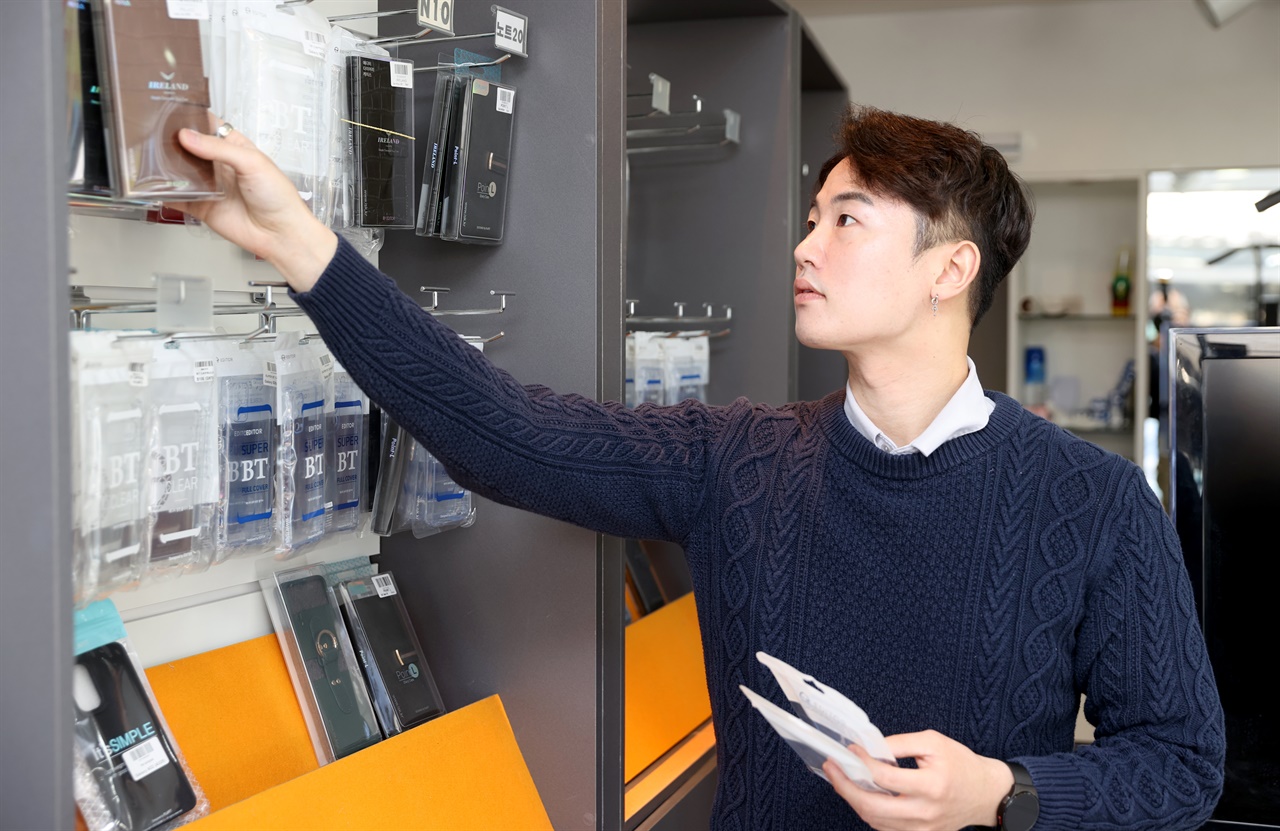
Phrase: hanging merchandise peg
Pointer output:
(708, 318)
(434, 306)
(658, 98)
(696, 129)
(186, 293)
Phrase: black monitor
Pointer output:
(1225, 393)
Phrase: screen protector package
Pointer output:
(110, 418)
(348, 431)
(246, 426)
(283, 89)
(335, 703)
(824, 725)
(442, 502)
(686, 366)
(649, 375)
(400, 684)
(182, 461)
(128, 772)
(301, 416)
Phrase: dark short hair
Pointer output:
(960, 188)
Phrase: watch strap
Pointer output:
(1020, 808)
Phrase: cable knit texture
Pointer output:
(978, 591)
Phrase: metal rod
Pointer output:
(503, 59)
(369, 15)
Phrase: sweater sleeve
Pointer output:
(1159, 749)
(636, 473)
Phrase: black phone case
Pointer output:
(485, 175)
(315, 628)
(394, 654)
(382, 142)
(446, 223)
(124, 721)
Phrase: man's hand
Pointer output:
(262, 211)
(952, 786)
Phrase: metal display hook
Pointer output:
(434, 306)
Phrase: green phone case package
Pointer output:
(322, 665)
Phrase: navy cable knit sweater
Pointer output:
(978, 591)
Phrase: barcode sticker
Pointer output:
(269, 374)
(146, 758)
(402, 74)
(204, 371)
(506, 100)
(384, 585)
(188, 9)
(326, 366)
(313, 43)
(137, 375)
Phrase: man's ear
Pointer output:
(958, 270)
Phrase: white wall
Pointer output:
(1098, 87)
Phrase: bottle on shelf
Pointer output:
(1120, 286)
(1034, 374)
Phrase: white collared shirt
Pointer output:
(968, 411)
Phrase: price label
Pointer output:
(382, 582)
(510, 32)
(436, 15)
(188, 9)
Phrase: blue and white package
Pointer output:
(302, 402)
(348, 430)
(246, 424)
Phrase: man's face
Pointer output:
(858, 281)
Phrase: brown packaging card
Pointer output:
(153, 86)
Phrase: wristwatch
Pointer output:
(1019, 810)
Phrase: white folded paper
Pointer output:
(824, 725)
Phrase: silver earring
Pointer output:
(935, 305)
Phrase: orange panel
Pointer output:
(666, 683)
(461, 771)
(235, 716)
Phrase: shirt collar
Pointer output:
(967, 412)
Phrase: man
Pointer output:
(960, 568)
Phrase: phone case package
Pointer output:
(302, 407)
(88, 172)
(380, 103)
(128, 772)
(439, 152)
(335, 702)
(182, 462)
(349, 430)
(403, 691)
(110, 425)
(243, 522)
(153, 85)
(479, 212)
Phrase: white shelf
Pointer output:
(1079, 230)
